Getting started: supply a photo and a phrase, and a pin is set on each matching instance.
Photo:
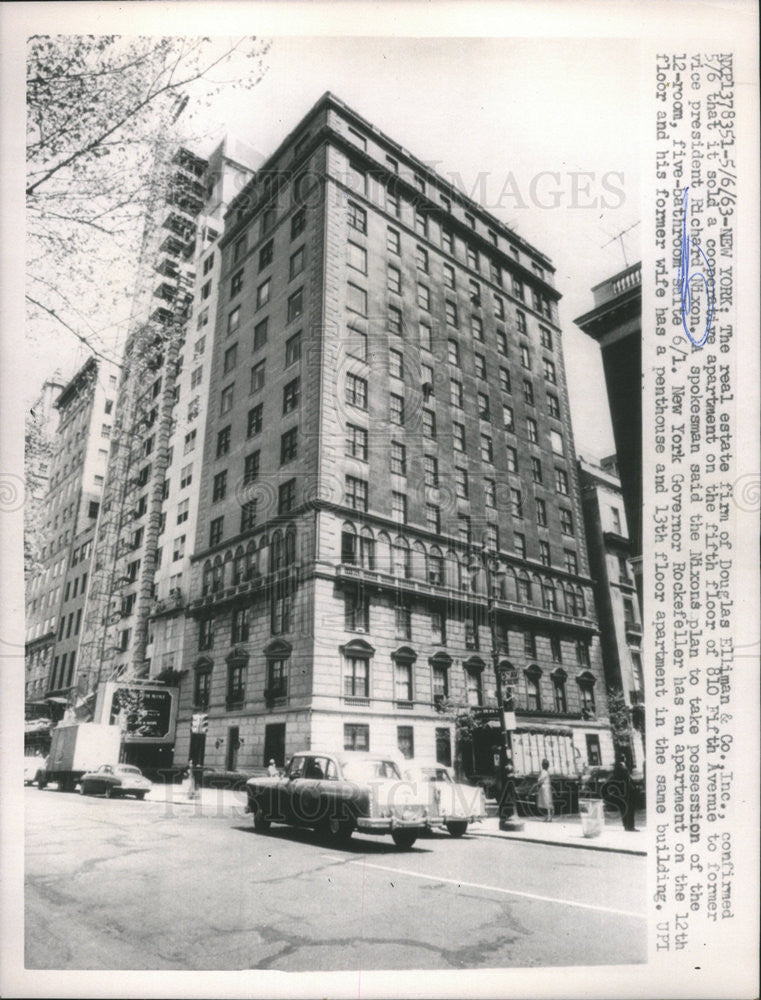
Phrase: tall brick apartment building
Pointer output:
(387, 400)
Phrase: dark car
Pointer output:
(214, 777)
(114, 780)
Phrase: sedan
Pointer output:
(451, 803)
(115, 779)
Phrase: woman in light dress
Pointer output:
(543, 789)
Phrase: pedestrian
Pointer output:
(543, 789)
(508, 800)
(625, 792)
(272, 770)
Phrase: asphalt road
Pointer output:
(121, 884)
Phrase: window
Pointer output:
(594, 758)
(292, 350)
(403, 625)
(240, 626)
(206, 633)
(405, 741)
(487, 448)
(461, 483)
(430, 470)
(357, 257)
(582, 653)
(356, 674)
(553, 405)
(206, 290)
(444, 746)
(456, 393)
(260, 334)
(490, 493)
(433, 518)
(202, 689)
(463, 528)
(356, 442)
(512, 459)
(356, 391)
(533, 689)
(357, 217)
(426, 342)
(356, 493)
(544, 552)
(254, 424)
(447, 238)
(105, 431)
(528, 392)
(226, 399)
(239, 248)
(248, 514)
(546, 337)
(421, 223)
(233, 321)
(291, 396)
(453, 353)
(286, 497)
(236, 283)
(421, 259)
(265, 255)
(426, 376)
(541, 512)
(570, 561)
(393, 279)
(288, 445)
(251, 468)
(109, 406)
(429, 423)
(396, 409)
(263, 293)
(516, 502)
(477, 328)
(458, 433)
(223, 442)
(215, 530)
(392, 202)
(203, 320)
(295, 305)
(520, 322)
(499, 307)
(298, 223)
(182, 511)
(450, 310)
(508, 418)
(236, 678)
(394, 321)
(480, 366)
(532, 429)
(356, 736)
(561, 482)
(424, 297)
(356, 299)
(587, 692)
(615, 517)
(195, 378)
(399, 507)
(393, 243)
(549, 371)
(566, 522)
(257, 377)
(474, 686)
(440, 679)
(398, 459)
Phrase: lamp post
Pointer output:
(506, 822)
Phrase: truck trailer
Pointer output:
(76, 749)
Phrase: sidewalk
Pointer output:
(566, 832)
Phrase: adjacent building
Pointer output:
(388, 481)
(618, 610)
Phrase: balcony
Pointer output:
(218, 596)
(168, 605)
(348, 573)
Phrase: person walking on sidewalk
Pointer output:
(543, 789)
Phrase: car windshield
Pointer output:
(362, 770)
(126, 769)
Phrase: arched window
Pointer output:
(289, 550)
(436, 566)
(384, 553)
(356, 657)
(533, 677)
(239, 566)
(401, 556)
(586, 682)
(549, 597)
(560, 698)
(252, 560)
(419, 561)
(207, 573)
(276, 551)
(524, 588)
(349, 553)
(264, 555)
(404, 660)
(218, 575)
(366, 548)
(474, 670)
(440, 664)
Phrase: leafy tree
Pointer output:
(620, 720)
(102, 117)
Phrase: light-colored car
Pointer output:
(33, 764)
(451, 803)
(113, 780)
(337, 793)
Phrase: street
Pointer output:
(122, 884)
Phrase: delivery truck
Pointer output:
(77, 748)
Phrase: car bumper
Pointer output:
(387, 824)
(132, 789)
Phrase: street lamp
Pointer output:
(506, 822)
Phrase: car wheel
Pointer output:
(404, 838)
(108, 792)
(261, 825)
(140, 796)
(337, 831)
(82, 790)
(457, 828)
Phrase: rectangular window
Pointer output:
(356, 493)
(295, 305)
(483, 406)
(561, 482)
(254, 424)
(532, 429)
(396, 409)
(433, 518)
(357, 217)
(461, 483)
(502, 343)
(393, 242)
(424, 297)
(183, 511)
(257, 377)
(556, 440)
(356, 391)
(356, 299)
(566, 522)
(477, 328)
(553, 405)
(195, 378)
(544, 552)
(405, 741)
(223, 441)
(429, 423)
(392, 202)
(456, 393)
(263, 293)
(450, 310)
(403, 627)
(536, 469)
(394, 321)
(458, 432)
(356, 442)
(549, 371)
(525, 356)
(226, 400)
(447, 238)
(570, 561)
(239, 248)
(298, 223)
(421, 259)
(288, 445)
(546, 337)
(463, 528)
(520, 322)
(426, 341)
(393, 279)
(399, 507)
(508, 419)
(516, 502)
(286, 497)
(431, 470)
(487, 448)
(291, 396)
(251, 467)
(356, 736)
(357, 257)
(215, 530)
(292, 350)
(512, 459)
(398, 459)
(541, 512)
(356, 679)
(261, 333)
(297, 263)
(206, 633)
(248, 515)
(421, 223)
(528, 392)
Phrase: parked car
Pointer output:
(450, 803)
(33, 764)
(112, 780)
(338, 793)
(215, 777)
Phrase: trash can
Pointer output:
(592, 818)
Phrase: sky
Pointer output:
(539, 131)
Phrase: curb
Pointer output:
(560, 843)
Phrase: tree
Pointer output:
(102, 115)
(620, 721)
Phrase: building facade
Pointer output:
(616, 599)
(387, 403)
